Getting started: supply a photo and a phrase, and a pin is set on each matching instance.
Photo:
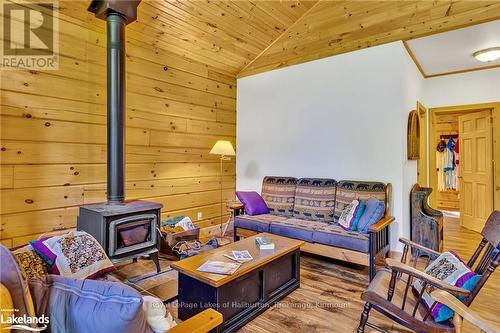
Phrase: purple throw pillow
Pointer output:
(253, 202)
(48, 256)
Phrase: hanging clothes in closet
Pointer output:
(447, 163)
(457, 183)
(440, 158)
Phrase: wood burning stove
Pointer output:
(125, 229)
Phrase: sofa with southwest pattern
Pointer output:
(309, 209)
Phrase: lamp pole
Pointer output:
(224, 149)
(220, 180)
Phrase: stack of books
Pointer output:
(264, 243)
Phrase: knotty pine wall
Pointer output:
(53, 139)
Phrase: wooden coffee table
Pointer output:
(240, 297)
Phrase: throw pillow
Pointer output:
(450, 268)
(76, 254)
(6, 307)
(12, 278)
(253, 202)
(48, 257)
(374, 210)
(360, 212)
(349, 214)
(157, 316)
(82, 306)
(30, 264)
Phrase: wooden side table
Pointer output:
(234, 208)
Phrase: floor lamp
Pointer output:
(224, 149)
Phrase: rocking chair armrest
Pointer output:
(203, 322)
(462, 310)
(426, 250)
(381, 224)
(398, 266)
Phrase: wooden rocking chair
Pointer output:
(389, 293)
(462, 313)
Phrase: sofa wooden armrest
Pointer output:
(462, 312)
(379, 241)
(203, 322)
(381, 224)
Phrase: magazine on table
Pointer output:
(219, 267)
(239, 256)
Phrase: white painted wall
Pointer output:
(413, 85)
(460, 89)
(345, 117)
(342, 117)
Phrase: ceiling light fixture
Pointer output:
(487, 55)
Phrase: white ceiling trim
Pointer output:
(451, 51)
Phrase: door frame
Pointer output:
(495, 114)
(423, 161)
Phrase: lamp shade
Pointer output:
(224, 148)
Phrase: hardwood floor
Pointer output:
(329, 297)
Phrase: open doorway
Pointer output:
(462, 146)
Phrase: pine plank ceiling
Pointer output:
(226, 35)
(248, 37)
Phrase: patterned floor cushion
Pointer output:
(279, 194)
(335, 235)
(258, 223)
(315, 199)
(348, 190)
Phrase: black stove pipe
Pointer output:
(116, 106)
(117, 14)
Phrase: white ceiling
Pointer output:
(452, 51)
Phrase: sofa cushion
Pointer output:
(350, 213)
(348, 190)
(334, 235)
(315, 199)
(360, 212)
(6, 306)
(279, 194)
(320, 232)
(12, 278)
(253, 202)
(258, 223)
(373, 213)
(450, 268)
(294, 228)
(76, 254)
(82, 306)
(30, 264)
